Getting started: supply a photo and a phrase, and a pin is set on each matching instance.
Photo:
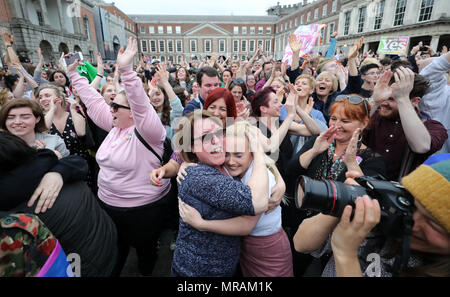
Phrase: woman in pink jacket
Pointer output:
(136, 206)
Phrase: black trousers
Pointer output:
(139, 227)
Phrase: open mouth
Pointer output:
(322, 88)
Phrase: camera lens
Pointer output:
(328, 197)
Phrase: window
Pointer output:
(179, 45)
(169, 29)
(347, 22)
(142, 30)
(268, 46)
(221, 45)
(301, 19)
(379, 15)
(399, 12)
(163, 59)
(334, 7)
(251, 45)
(40, 18)
(244, 30)
(285, 26)
(425, 10)
(236, 30)
(268, 30)
(252, 30)
(362, 18)
(193, 45)
(178, 59)
(151, 29)
(235, 46)
(170, 46)
(160, 30)
(308, 17)
(322, 36)
(260, 43)
(243, 45)
(171, 59)
(144, 45)
(162, 46)
(153, 46)
(330, 30)
(316, 13)
(208, 46)
(177, 29)
(260, 30)
(290, 24)
(324, 10)
(296, 22)
(86, 28)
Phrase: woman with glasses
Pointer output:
(137, 208)
(330, 156)
(211, 191)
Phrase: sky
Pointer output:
(198, 7)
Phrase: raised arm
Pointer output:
(79, 122)
(295, 47)
(309, 126)
(98, 78)
(332, 46)
(98, 110)
(145, 117)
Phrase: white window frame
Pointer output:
(151, 29)
(316, 13)
(401, 13)
(160, 30)
(168, 47)
(268, 46)
(150, 46)
(244, 46)
(222, 41)
(330, 30)
(244, 30)
(268, 30)
(334, 6)
(361, 23)
(236, 30)
(324, 10)
(193, 41)
(162, 42)
(210, 45)
(302, 18)
(169, 29)
(260, 30)
(181, 45)
(250, 42)
(235, 45)
(308, 17)
(425, 8)
(177, 29)
(144, 46)
(252, 31)
(142, 31)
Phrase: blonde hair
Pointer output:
(369, 60)
(57, 90)
(309, 78)
(330, 76)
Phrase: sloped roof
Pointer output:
(146, 18)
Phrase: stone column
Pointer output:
(44, 11)
(60, 15)
(434, 42)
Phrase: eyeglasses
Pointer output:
(116, 106)
(354, 100)
(373, 73)
(237, 81)
(209, 136)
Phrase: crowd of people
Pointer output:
(105, 157)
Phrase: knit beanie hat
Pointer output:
(323, 62)
(430, 185)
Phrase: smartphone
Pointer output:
(70, 60)
(423, 49)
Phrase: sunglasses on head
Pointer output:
(237, 81)
(354, 100)
(116, 106)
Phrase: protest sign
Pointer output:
(308, 34)
(393, 45)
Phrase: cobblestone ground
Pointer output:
(163, 264)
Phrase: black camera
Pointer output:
(423, 49)
(330, 198)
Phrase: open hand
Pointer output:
(47, 192)
(125, 57)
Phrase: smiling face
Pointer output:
(303, 88)
(427, 235)
(277, 85)
(371, 77)
(110, 93)
(346, 126)
(60, 78)
(122, 118)
(219, 109)
(157, 98)
(45, 97)
(389, 109)
(237, 93)
(208, 84)
(273, 107)
(208, 142)
(234, 67)
(324, 85)
(181, 74)
(330, 67)
(21, 121)
(251, 81)
(237, 161)
(226, 76)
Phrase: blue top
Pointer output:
(331, 48)
(196, 103)
(216, 197)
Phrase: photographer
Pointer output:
(424, 227)
(430, 240)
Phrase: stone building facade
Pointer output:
(420, 20)
(55, 26)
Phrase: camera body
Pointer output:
(330, 197)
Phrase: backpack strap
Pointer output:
(142, 140)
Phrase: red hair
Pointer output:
(354, 112)
(220, 93)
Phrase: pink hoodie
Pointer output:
(125, 163)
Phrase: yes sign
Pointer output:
(393, 45)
